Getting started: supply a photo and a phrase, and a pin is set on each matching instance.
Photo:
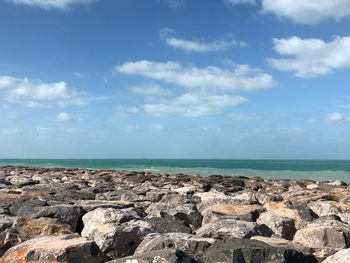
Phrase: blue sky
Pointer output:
(174, 79)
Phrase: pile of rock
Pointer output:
(76, 215)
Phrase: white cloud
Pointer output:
(52, 4)
(238, 2)
(336, 117)
(63, 117)
(308, 11)
(188, 105)
(201, 46)
(240, 77)
(150, 90)
(311, 57)
(35, 93)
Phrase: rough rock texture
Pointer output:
(245, 250)
(158, 256)
(324, 234)
(281, 226)
(192, 245)
(342, 256)
(120, 216)
(67, 249)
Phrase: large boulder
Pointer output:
(118, 232)
(64, 249)
(208, 199)
(245, 250)
(226, 228)
(66, 214)
(301, 215)
(281, 226)
(324, 234)
(326, 208)
(233, 211)
(177, 206)
(190, 244)
(103, 226)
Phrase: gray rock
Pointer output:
(228, 228)
(324, 234)
(103, 225)
(281, 226)
(190, 244)
(120, 195)
(66, 214)
(342, 256)
(245, 250)
(177, 206)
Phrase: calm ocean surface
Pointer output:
(270, 169)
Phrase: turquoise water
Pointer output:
(270, 169)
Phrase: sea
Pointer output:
(317, 170)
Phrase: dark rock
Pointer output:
(245, 250)
(160, 256)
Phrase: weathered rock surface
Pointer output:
(147, 217)
(67, 249)
(160, 256)
(342, 256)
(192, 245)
(281, 226)
(324, 234)
(245, 250)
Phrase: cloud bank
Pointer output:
(238, 78)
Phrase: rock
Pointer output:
(239, 212)
(281, 242)
(245, 250)
(192, 245)
(160, 256)
(26, 229)
(325, 208)
(301, 215)
(66, 214)
(177, 206)
(324, 234)
(342, 256)
(168, 225)
(281, 226)
(103, 226)
(120, 195)
(6, 221)
(89, 205)
(26, 204)
(228, 228)
(67, 249)
(187, 190)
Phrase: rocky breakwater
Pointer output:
(74, 215)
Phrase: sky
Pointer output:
(226, 79)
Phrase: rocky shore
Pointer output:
(76, 215)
